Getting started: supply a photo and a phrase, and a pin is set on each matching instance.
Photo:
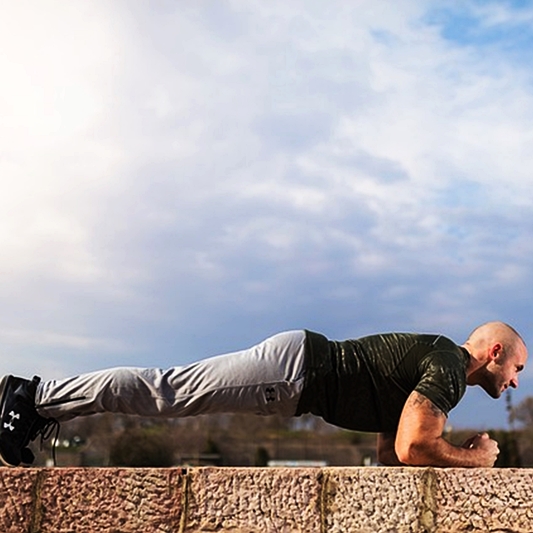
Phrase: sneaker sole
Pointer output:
(3, 388)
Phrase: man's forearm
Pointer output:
(438, 452)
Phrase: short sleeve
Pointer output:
(443, 379)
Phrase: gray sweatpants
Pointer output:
(265, 379)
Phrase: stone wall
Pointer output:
(265, 500)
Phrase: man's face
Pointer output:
(502, 372)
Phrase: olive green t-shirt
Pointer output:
(362, 384)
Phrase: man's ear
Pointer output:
(496, 351)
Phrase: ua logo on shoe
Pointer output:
(9, 425)
(270, 394)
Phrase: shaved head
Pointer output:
(492, 332)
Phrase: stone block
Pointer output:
(376, 499)
(18, 488)
(484, 499)
(109, 500)
(254, 500)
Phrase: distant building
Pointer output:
(297, 463)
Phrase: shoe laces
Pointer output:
(45, 431)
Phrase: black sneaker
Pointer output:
(20, 422)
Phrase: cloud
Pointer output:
(181, 181)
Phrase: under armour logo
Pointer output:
(270, 394)
(9, 425)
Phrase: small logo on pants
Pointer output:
(270, 394)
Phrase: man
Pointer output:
(399, 385)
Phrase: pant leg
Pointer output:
(265, 379)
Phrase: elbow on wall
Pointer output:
(411, 454)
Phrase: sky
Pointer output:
(182, 179)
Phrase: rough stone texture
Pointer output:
(495, 500)
(253, 500)
(109, 500)
(17, 494)
(375, 499)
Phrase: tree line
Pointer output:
(247, 440)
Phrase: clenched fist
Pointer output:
(486, 448)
